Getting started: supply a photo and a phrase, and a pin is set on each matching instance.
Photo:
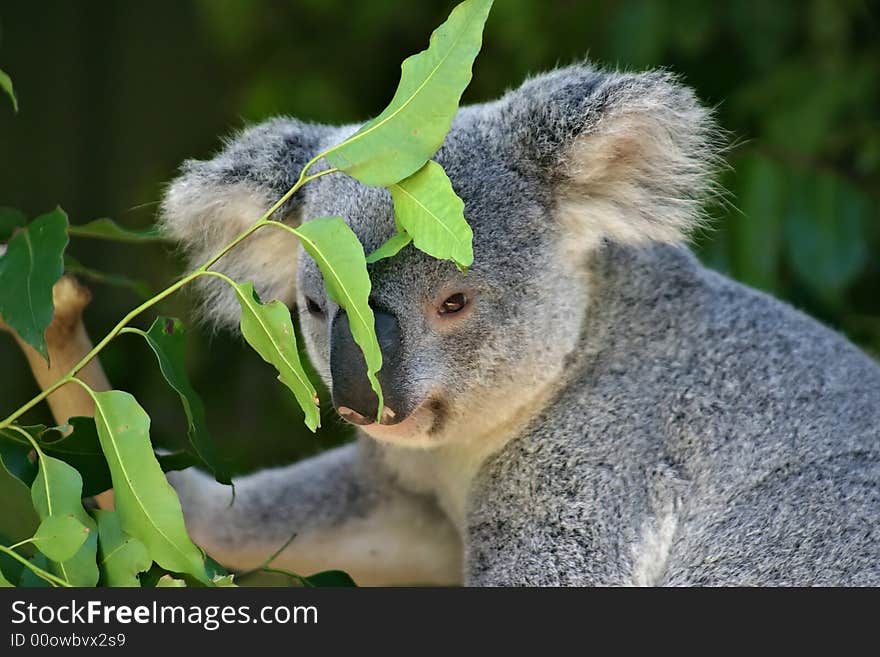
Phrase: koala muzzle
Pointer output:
(353, 396)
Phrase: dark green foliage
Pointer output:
(107, 229)
(30, 267)
(335, 578)
(167, 339)
(6, 86)
(90, 275)
(10, 220)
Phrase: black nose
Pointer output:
(353, 396)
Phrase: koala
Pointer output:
(587, 405)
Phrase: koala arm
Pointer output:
(346, 514)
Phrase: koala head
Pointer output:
(548, 174)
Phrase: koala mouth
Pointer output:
(352, 416)
(427, 419)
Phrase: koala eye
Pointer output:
(313, 307)
(453, 304)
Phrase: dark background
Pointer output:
(114, 95)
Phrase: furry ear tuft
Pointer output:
(629, 156)
(212, 201)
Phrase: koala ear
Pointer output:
(212, 201)
(628, 156)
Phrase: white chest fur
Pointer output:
(447, 471)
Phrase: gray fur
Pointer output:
(609, 412)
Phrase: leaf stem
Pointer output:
(39, 572)
(42, 458)
(288, 573)
(133, 330)
(27, 436)
(220, 275)
(270, 559)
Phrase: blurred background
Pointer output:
(114, 95)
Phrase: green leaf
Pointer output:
(15, 454)
(5, 583)
(18, 520)
(32, 264)
(107, 229)
(167, 339)
(399, 141)
(73, 266)
(390, 248)
(150, 578)
(176, 461)
(29, 579)
(167, 581)
(224, 581)
(81, 449)
(269, 330)
(121, 557)
(428, 209)
(824, 233)
(340, 257)
(757, 232)
(6, 85)
(77, 444)
(148, 507)
(57, 491)
(215, 569)
(10, 219)
(60, 537)
(326, 578)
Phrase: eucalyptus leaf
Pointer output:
(10, 219)
(215, 569)
(824, 232)
(340, 257)
(399, 141)
(269, 330)
(429, 210)
(390, 248)
(120, 557)
(31, 266)
(327, 578)
(57, 491)
(150, 578)
(224, 581)
(107, 229)
(6, 86)
(80, 448)
(73, 266)
(75, 443)
(167, 339)
(757, 232)
(15, 454)
(176, 461)
(167, 581)
(148, 507)
(29, 579)
(60, 537)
